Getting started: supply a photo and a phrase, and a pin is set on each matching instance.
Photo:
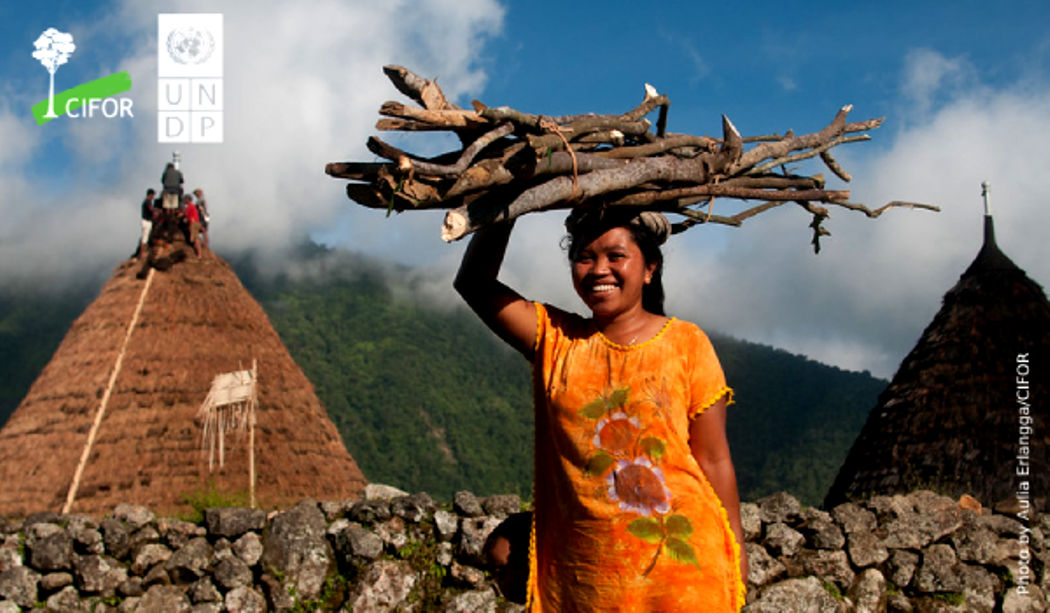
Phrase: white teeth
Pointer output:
(603, 288)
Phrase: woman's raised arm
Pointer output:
(502, 309)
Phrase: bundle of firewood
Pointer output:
(512, 163)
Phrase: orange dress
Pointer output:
(625, 519)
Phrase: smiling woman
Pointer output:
(636, 507)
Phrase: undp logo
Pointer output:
(189, 78)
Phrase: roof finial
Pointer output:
(985, 188)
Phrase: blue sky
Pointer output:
(965, 87)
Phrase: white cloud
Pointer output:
(865, 299)
(928, 73)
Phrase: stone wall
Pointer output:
(393, 551)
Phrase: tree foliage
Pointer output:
(428, 399)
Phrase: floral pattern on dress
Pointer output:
(627, 457)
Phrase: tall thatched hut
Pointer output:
(966, 412)
(113, 417)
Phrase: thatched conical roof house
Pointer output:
(118, 404)
(953, 417)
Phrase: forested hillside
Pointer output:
(428, 399)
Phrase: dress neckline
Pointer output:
(615, 345)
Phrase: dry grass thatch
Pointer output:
(196, 321)
(949, 420)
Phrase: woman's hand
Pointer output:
(502, 309)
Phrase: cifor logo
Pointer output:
(52, 49)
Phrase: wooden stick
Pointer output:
(423, 91)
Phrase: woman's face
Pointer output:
(610, 272)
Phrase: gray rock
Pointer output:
(203, 590)
(378, 491)
(19, 585)
(190, 561)
(392, 533)
(370, 511)
(475, 601)
(232, 522)
(49, 547)
(1001, 524)
(148, 556)
(164, 599)
(177, 532)
(778, 507)
(830, 566)
(804, 595)
(115, 538)
(142, 536)
(854, 518)
(750, 521)
(156, 576)
(975, 541)
(902, 565)
(939, 570)
(783, 541)
(915, 531)
(501, 505)
(865, 549)
(98, 575)
(335, 509)
(133, 515)
(86, 537)
(898, 603)
(466, 504)
(208, 607)
(444, 554)
(67, 601)
(889, 508)
(820, 530)
(232, 573)
(55, 581)
(868, 592)
(356, 541)
(42, 518)
(130, 605)
(131, 588)
(10, 554)
(221, 548)
(384, 585)
(248, 548)
(277, 595)
(762, 568)
(1032, 602)
(245, 600)
(472, 534)
(445, 525)
(8, 606)
(295, 546)
(413, 508)
(507, 606)
(980, 587)
(925, 502)
(467, 576)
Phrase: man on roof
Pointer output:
(202, 211)
(193, 222)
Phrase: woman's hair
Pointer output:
(649, 230)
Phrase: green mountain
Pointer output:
(428, 399)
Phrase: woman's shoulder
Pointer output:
(560, 318)
(683, 330)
